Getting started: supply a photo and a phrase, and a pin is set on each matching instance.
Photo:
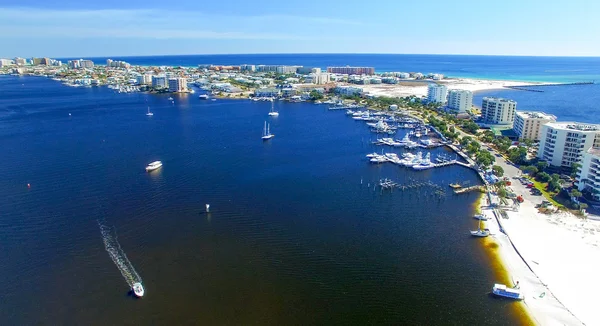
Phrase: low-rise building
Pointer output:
(437, 93)
(498, 111)
(564, 143)
(348, 90)
(460, 100)
(352, 70)
(528, 124)
(266, 92)
(588, 177)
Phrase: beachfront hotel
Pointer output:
(564, 143)
(351, 70)
(498, 111)
(460, 100)
(528, 124)
(589, 175)
(437, 93)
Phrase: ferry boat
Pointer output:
(203, 97)
(138, 289)
(512, 293)
(153, 166)
(267, 132)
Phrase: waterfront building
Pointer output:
(460, 100)
(348, 90)
(117, 64)
(437, 93)
(177, 85)
(588, 177)
(528, 124)
(144, 79)
(75, 64)
(287, 69)
(308, 70)
(498, 111)
(266, 92)
(20, 61)
(351, 70)
(564, 143)
(159, 81)
(250, 68)
(418, 75)
(5, 62)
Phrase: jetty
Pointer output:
(529, 88)
(469, 189)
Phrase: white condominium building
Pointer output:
(437, 93)
(177, 85)
(498, 111)
(589, 175)
(460, 100)
(159, 81)
(564, 143)
(528, 124)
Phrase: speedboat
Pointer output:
(153, 166)
(138, 289)
(203, 97)
(480, 217)
(170, 98)
(512, 293)
(480, 233)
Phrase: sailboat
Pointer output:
(482, 233)
(149, 113)
(267, 132)
(273, 113)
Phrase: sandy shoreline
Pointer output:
(419, 88)
(555, 258)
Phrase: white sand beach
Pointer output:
(557, 259)
(419, 88)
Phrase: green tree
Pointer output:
(531, 170)
(314, 95)
(465, 141)
(542, 165)
(543, 177)
(575, 193)
(485, 159)
(502, 193)
(583, 206)
(498, 170)
(575, 169)
(553, 185)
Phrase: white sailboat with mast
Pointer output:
(149, 113)
(273, 113)
(267, 132)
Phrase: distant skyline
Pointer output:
(34, 28)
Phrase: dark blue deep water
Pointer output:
(548, 69)
(293, 237)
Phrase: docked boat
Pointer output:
(480, 217)
(482, 233)
(203, 97)
(455, 185)
(149, 113)
(267, 132)
(273, 113)
(425, 163)
(512, 293)
(153, 166)
(138, 289)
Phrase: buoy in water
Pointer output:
(69, 113)
(28, 185)
(208, 208)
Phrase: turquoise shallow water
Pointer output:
(293, 237)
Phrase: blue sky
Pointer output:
(70, 28)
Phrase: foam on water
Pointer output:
(118, 255)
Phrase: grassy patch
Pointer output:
(549, 195)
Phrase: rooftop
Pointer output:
(574, 126)
(536, 115)
(498, 99)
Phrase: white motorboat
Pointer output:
(480, 217)
(170, 98)
(153, 166)
(203, 97)
(425, 163)
(372, 155)
(138, 289)
(267, 132)
(273, 113)
(149, 113)
(482, 233)
(512, 293)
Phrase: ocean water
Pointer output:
(293, 237)
(579, 103)
(547, 69)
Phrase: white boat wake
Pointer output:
(118, 255)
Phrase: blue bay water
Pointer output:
(546, 69)
(293, 237)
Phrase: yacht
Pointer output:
(425, 163)
(138, 289)
(203, 97)
(148, 114)
(170, 98)
(267, 132)
(273, 113)
(512, 293)
(153, 166)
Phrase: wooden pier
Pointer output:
(528, 88)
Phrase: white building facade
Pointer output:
(460, 100)
(145, 79)
(498, 111)
(588, 176)
(177, 85)
(348, 90)
(159, 81)
(528, 124)
(437, 93)
(564, 143)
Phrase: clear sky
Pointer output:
(69, 28)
